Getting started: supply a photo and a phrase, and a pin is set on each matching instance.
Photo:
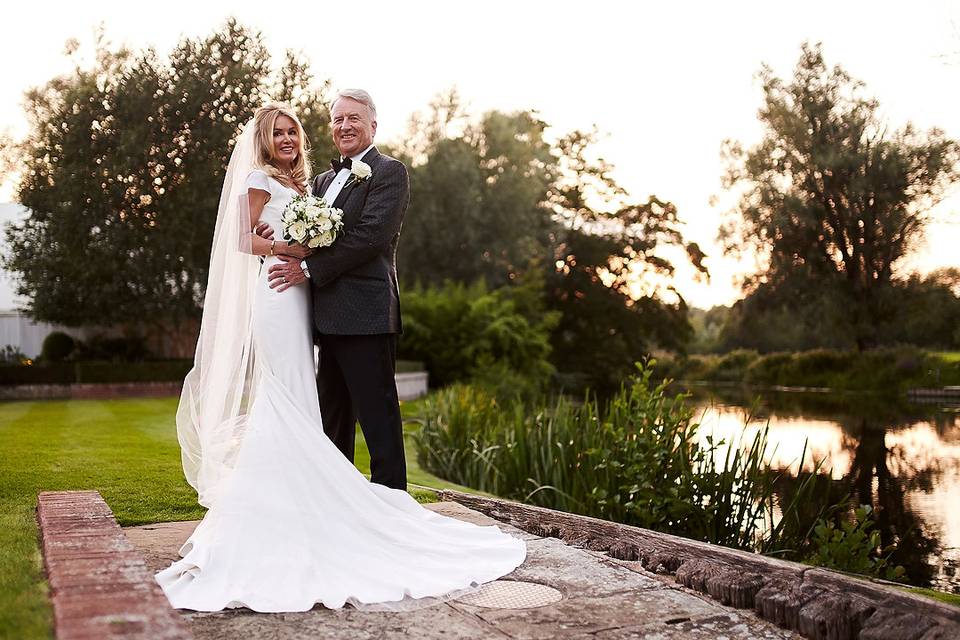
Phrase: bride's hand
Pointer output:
(295, 250)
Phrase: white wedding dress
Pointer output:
(294, 523)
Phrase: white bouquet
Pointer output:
(310, 221)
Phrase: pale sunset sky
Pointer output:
(665, 83)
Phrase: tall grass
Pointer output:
(636, 459)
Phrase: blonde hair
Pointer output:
(265, 119)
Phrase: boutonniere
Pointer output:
(360, 171)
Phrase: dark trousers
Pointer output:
(356, 380)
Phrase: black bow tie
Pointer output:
(346, 163)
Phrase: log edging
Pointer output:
(816, 603)
(100, 586)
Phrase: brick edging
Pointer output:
(99, 584)
(89, 390)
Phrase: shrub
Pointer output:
(12, 355)
(151, 371)
(854, 546)
(465, 333)
(121, 349)
(770, 369)
(883, 369)
(694, 367)
(96, 372)
(57, 347)
(731, 366)
(51, 373)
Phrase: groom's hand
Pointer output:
(264, 231)
(285, 274)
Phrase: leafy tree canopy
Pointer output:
(832, 197)
(122, 171)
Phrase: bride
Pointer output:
(291, 522)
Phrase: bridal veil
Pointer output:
(218, 391)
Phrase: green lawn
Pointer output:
(948, 356)
(125, 449)
(949, 598)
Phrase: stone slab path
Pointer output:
(602, 598)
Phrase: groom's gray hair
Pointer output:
(360, 96)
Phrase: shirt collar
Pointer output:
(360, 155)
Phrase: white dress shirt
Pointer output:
(334, 190)
(341, 179)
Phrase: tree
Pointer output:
(122, 174)
(493, 199)
(600, 257)
(831, 198)
(925, 311)
(297, 87)
(478, 193)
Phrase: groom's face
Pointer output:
(353, 126)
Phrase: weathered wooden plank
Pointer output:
(815, 602)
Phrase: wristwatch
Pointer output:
(303, 266)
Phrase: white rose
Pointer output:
(326, 238)
(313, 212)
(361, 170)
(325, 225)
(315, 242)
(298, 230)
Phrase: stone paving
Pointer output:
(602, 598)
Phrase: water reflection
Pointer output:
(903, 458)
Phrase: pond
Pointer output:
(899, 456)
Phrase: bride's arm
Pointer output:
(257, 200)
(260, 240)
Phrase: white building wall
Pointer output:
(23, 333)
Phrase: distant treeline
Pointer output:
(888, 369)
(923, 311)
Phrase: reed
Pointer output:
(636, 458)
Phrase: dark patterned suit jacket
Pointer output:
(354, 281)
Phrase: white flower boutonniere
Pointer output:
(360, 171)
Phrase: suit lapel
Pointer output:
(322, 183)
(342, 196)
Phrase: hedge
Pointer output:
(107, 372)
(71, 372)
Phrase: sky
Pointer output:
(665, 83)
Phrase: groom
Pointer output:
(356, 299)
